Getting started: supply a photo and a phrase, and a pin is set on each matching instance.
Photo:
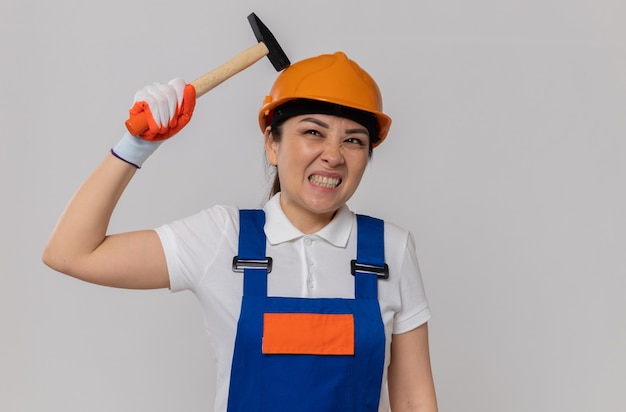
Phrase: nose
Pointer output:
(332, 154)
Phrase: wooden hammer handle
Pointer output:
(138, 123)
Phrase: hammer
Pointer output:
(266, 46)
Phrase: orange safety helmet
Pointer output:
(330, 78)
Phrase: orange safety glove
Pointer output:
(168, 108)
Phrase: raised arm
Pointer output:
(80, 246)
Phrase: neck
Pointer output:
(311, 224)
(307, 222)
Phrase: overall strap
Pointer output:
(370, 264)
(251, 257)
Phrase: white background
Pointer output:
(506, 158)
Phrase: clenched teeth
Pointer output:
(329, 182)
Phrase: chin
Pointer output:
(325, 207)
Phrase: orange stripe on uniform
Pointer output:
(308, 333)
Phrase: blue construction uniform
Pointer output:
(337, 365)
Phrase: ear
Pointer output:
(271, 147)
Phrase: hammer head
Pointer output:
(276, 54)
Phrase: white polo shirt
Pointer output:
(199, 252)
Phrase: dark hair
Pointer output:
(302, 106)
(307, 106)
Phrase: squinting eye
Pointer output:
(355, 141)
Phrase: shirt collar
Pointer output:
(279, 229)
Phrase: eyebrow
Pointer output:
(326, 126)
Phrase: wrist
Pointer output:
(134, 150)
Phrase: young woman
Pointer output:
(309, 307)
